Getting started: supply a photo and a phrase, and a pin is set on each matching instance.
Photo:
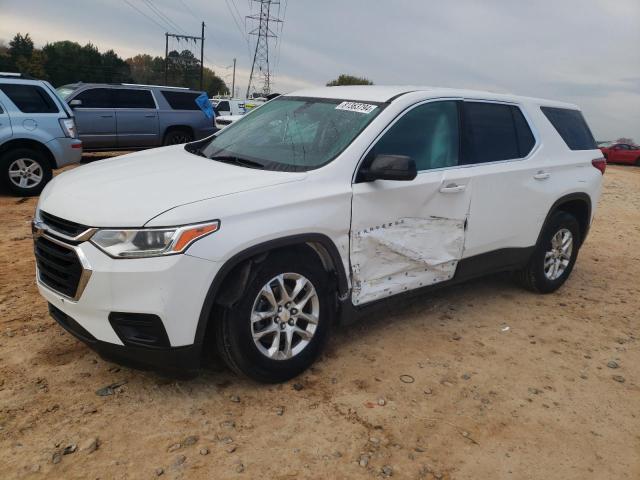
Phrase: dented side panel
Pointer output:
(403, 255)
(407, 235)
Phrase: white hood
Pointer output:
(129, 191)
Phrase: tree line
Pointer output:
(64, 62)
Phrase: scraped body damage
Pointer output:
(403, 255)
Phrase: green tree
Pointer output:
(114, 68)
(20, 47)
(344, 79)
(68, 62)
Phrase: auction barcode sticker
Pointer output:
(356, 107)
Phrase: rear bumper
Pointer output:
(178, 361)
(65, 150)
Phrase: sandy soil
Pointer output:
(534, 400)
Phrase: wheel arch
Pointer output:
(29, 143)
(171, 128)
(577, 204)
(238, 268)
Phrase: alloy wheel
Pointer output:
(285, 316)
(25, 173)
(557, 259)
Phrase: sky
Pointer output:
(582, 51)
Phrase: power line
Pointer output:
(144, 14)
(189, 10)
(234, 19)
(172, 25)
(279, 40)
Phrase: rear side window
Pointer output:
(494, 132)
(427, 133)
(29, 98)
(95, 98)
(571, 126)
(526, 140)
(223, 106)
(130, 98)
(181, 100)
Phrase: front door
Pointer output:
(410, 234)
(95, 118)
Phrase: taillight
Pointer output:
(600, 164)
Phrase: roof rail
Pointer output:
(158, 86)
(16, 75)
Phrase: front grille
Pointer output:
(58, 266)
(70, 229)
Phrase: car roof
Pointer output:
(128, 85)
(387, 93)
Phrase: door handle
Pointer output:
(106, 116)
(150, 115)
(452, 188)
(542, 175)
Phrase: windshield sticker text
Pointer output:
(356, 107)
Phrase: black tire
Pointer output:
(233, 330)
(9, 164)
(177, 136)
(533, 276)
(638, 162)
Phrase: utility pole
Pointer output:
(184, 37)
(202, 56)
(233, 81)
(166, 55)
(261, 53)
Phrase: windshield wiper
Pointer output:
(243, 162)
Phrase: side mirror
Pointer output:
(75, 103)
(390, 167)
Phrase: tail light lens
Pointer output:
(600, 164)
(69, 127)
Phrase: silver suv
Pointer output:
(37, 134)
(128, 116)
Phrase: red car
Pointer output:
(622, 153)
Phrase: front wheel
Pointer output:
(554, 256)
(279, 326)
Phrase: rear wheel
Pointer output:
(25, 171)
(177, 136)
(554, 256)
(638, 162)
(279, 326)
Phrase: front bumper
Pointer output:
(171, 289)
(173, 360)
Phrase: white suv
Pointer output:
(316, 206)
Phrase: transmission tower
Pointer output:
(260, 70)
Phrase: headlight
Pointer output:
(150, 242)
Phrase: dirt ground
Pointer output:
(479, 381)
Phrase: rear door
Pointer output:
(410, 234)
(136, 118)
(510, 185)
(95, 118)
